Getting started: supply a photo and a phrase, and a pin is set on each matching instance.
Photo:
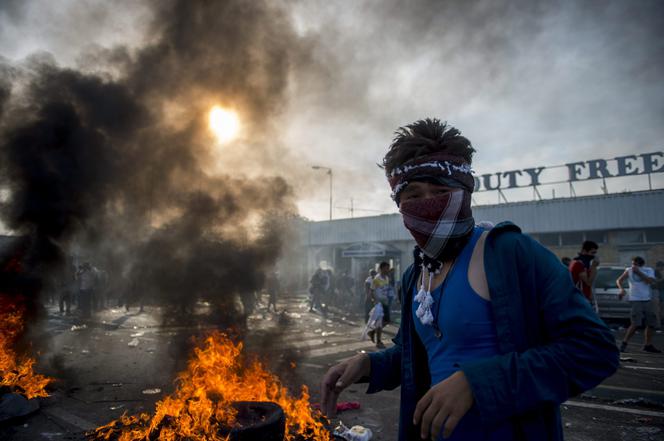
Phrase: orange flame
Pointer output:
(16, 372)
(215, 377)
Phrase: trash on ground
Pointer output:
(154, 391)
(78, 327)
(133, 343)
(342, 406)
(628, 359)
(355, 433)
(119, 406)
(137, 334)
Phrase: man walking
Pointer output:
(640, 298)
(584, 269)
(273, 287)
(494, 336)
(382, 292)
(368, 294)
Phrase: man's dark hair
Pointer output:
(425, 137)
(638, 260)
(589, 245)
(383, 264)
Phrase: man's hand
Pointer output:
(594, 263)
(339, 377)
(621, 293)
(445, 404)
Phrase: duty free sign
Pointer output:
(628, 165)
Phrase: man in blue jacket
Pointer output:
(494, 336)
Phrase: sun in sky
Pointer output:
(224, 123)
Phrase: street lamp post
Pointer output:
(329, 173)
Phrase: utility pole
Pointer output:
(329, 173)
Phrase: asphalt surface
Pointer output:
(100, 375)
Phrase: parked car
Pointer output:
(606, 293)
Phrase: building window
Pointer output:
(568, 239)
(596, 236)
(655, 235)
(549, 239)
(628, 236)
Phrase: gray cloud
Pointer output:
(529, 82)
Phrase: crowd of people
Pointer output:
(82, 286)
(327, 289)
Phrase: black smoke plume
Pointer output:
(112, 162)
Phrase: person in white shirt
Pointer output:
(640, 295)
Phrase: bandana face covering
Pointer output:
(440, 225)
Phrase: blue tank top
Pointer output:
(468, 333)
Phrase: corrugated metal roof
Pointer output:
(587, 213)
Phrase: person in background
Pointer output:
(640, 298)
(584, 269)
(345, 288)
(86, 278)
(317, 286)
(493, 336)
(382, 292)
(658, 287)
(273, 287)
(368, 294)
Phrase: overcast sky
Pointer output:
(528, 82)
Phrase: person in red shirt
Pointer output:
(584, 268)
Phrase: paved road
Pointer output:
(101, 376)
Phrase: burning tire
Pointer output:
(258, 421)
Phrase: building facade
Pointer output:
(623, 224)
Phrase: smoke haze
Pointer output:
(112, 160)
(529, 82)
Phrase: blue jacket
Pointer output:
(552, 344)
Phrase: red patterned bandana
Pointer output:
(440, 225)
(451, 171)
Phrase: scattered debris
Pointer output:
(154, 391)
(85, 351)
(628, 359)
(119, 406)
(52, 435)
(341, 406)
(116, 385)
(133, 343)
(137, 334)
(78, 327)
(635, 401)
(650, 430)
(355, 433)
(325, 334)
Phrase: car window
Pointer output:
(606, 278)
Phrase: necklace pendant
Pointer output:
(438, 334)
